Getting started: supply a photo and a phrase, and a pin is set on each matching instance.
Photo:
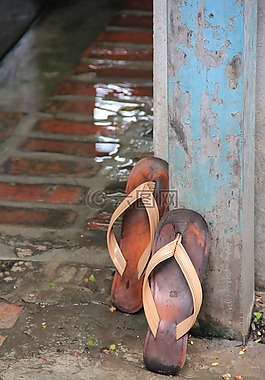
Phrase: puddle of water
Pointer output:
(107, 148)
(116, 105)
(119, 90)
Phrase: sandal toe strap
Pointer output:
(173, 249)
(145, 193)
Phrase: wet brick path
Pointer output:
(63, 169)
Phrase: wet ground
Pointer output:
(68, 329)
(75, 115)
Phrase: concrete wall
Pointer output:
(160, 79)
(160, 115)
(210, 48)
(260, 152)
(15, 18)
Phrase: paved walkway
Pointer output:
(60, 166)
(63, 169)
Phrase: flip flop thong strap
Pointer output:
(145, 192)
(173, 249)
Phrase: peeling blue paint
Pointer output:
(217, 37)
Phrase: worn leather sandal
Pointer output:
(144, 205)
(173, 299)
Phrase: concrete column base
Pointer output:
(210, 54)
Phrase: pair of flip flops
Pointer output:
(160, 262)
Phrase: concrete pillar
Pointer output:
(260, 152)
(211, 56)
(160, 130)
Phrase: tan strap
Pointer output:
(145, 192)
(173, 249)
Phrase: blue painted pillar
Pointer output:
(211, 50)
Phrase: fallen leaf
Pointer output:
(112, 309)
(91, 278)
(105, 350)
(90, 342)
(226, 376)
(52, 284)
(244, 349)
(74, 353)
(239, 377)
(85, 280)
(44, 325)
(215, 364)
(257, 316)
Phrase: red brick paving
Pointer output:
(146, 5)
(76, 106)
(69, 87)
(115, 65)
(132, 37)
(75, 148)
(114, 44)
(139, 53)
(133, 21)
(124, 29)
(111, 70)
(9, 314)
(48, 218)
(19, 192)
(99, 222)
(58, 126)
(31, 167)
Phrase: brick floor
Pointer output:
(132, 37)
(130, 20)
(69, 87)
(128, 53)
(114, 70)
(138, 4)
(36, 217)
(19, 192)
(90, 122)
(9, 314)
(66, 127)
(75, 148)
(30, 167)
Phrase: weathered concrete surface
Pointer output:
(160, 134)
(211, 86)
(260, 152)
(66, 323)
(48, 51)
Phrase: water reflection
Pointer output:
(116, 104)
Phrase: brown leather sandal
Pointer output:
(173, 301)
(144, 205)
